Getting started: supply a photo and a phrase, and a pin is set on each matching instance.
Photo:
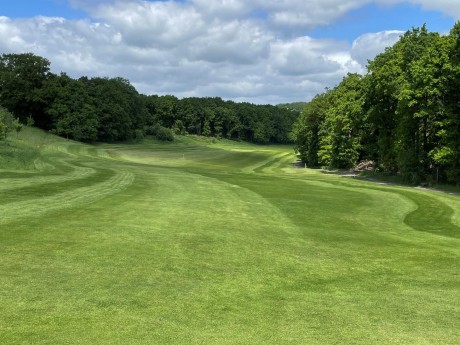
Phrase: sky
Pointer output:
(259, 51)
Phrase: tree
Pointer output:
(383, 82)
(71, 109)
(341, 131)
(21, 79)
(6, 123)
(17, 125)
(307, 129)
(119, 108)
(447, 153)
(3, 129)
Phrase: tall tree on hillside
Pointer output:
(383, 83)
(307, 129)
(162, 110)
(21, 78)
(7, 123)
(341, 132)
(447, 153)
(71, 109)
(417, 99)
(120, 109)
(283, 120)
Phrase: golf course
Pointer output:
(206, 241)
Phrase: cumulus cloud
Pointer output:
(449, 7)
(242, 50)
(367, 46)
(304, 56)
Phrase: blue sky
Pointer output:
(369, 18)
(262, 51)
(30, 8)
(375, 18)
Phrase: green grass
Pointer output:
(396, 179)
(202, 242)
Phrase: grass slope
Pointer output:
(195, 242)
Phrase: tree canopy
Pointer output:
(111, 109)
(404, 114)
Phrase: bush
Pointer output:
(138, 135)
(164, 134)
(453, 175)
(6, 123)
(152, 130)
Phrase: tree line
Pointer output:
(111, 109)
(403, 114)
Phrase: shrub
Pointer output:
(164, 134)
(138, 135)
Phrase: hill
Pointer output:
(213, 241)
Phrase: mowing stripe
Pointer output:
(80, 196)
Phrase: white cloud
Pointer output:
(308, 14)
(304, 56)
(450, 8)
(223, 8)
(237, 49)
(367, 46)
(156, 24)
(236, 42)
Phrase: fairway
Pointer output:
(217, 242)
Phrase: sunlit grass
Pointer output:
(217, 242)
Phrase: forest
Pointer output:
(403, 115)
(111, 109)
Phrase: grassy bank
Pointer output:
(199, 242)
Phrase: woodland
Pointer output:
(403, 114)
(144, 219)
(111, 109)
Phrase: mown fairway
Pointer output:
(217, 243)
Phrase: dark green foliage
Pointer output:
(119, 108)
(330, 129)
(17, 126)
(307, 129)
(110, 109)
(161, 133)
(295, 106)
(341, 131)
(71, 109)
(30, 121)
(164, 134)
(404, 114)
(22, 77)
(212, 116)
(138, 135)
(7, 123)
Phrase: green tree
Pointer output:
(18, 126)
(307, 129)
(120, 110)
(71, 109)
(6, 123)
(341, 131)
(21, 79)
(447, 153)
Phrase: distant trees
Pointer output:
(111, 109)
(404, 114)
(71, 109)
(212, 116)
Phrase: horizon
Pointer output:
(263, 53)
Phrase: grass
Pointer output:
(202, 242)
(396, 179)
